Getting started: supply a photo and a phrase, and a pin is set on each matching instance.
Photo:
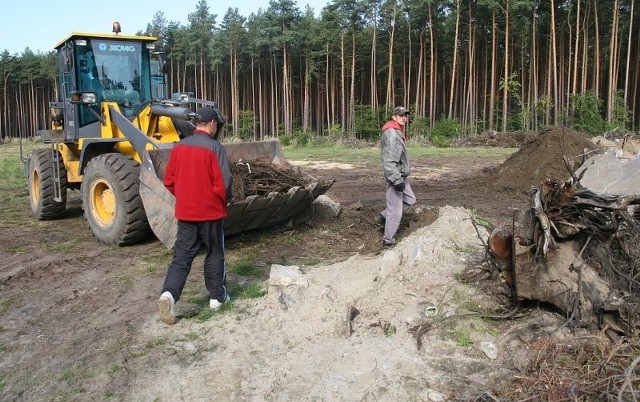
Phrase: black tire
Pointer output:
(111, 200)
(41, 185)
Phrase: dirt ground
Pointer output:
(79, 320)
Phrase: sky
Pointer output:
(41, 24)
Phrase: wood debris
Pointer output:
(262, 178)
(578, 250)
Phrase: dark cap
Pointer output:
(207, 114)
(400, 111)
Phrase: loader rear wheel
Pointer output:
(111, 200)
(42, 182)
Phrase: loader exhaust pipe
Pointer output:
(175, 112)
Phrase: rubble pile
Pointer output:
(575, 247)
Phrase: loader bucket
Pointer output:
(158, 202)
(249, 213)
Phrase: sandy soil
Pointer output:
(79, 319)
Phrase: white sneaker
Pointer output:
(167, 308)
(215, 305)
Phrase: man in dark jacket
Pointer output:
(396, 170)
(198, 175)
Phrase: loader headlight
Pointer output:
(87, 98)
(182, 97)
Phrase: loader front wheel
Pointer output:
(42, 197)
(111, 200)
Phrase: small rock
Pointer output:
(435, 396)
(325, 208)
(281, 275)
(489, 349)
(390, 262)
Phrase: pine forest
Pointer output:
(460, 66)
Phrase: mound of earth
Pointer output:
(387, 327)
(542, 158)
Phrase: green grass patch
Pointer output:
(195, 297)
(248, 291)
(462, 337)
(206, 313)
(69, 394)
(332, 153)
(311, 261)
(280, 261)
(74, 373)
(65, 247)
(293, 239)
(155, 342)
(480, 220)
(12, 168)
(244, 267)
(154, 262)
(116, 370)
(17, 249)
(346, 154)
(4, 305)
(136, 354)
(161, 257)
(126, 279)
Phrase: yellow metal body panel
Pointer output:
(159, 128)
(71, 158)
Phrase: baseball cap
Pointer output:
(400, 111)
(207, 114)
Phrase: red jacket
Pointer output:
(198, 175)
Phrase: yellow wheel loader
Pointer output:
(112, 129)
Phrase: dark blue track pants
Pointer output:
(191, 236)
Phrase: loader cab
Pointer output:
(122, 69)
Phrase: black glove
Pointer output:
(399, 186)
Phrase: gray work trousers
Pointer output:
(397, 202)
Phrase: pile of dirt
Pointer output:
(496, 139)
(542, 158)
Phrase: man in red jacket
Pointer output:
(198, 175)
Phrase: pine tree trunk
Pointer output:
(454, 66)
(626, 75)
(505, 92)
(534, 73)
(494, 62)
(596, 77)
(343, 95)
(432, 72)
(613, 65)
(419, 100)
(389, 99)
(327, 85)
(374, 65)
(554, 54)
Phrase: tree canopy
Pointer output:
(485, 65)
